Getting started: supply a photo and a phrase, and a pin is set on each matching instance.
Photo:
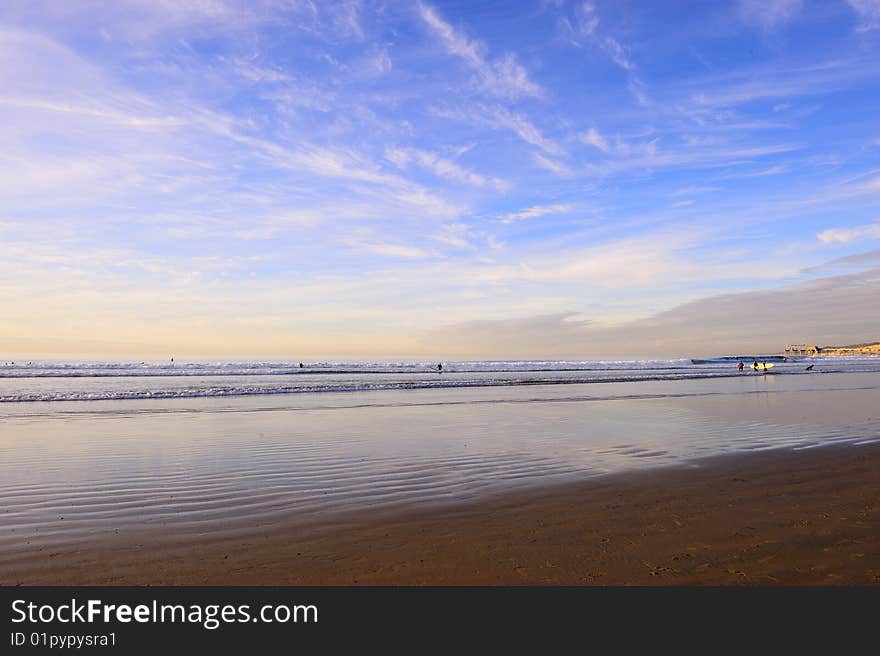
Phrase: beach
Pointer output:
(649, 475)
(782, 518)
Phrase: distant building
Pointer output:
(801, 349)
(872, 348)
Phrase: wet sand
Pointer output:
(807, 517)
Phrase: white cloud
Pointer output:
(773, 170)
(258, 74)
(593, 138)
(769, 14)
(869, 13)
(846, 235)
(381, 62)
(552, 165)
(501, 117)
(583, 28)
(536, 211)
(618, 53)
(647, 157)
(392, 250)
(442, 167)
(452, 240)
(504, 77)
(690, 191)
(457, 235)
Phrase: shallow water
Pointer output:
(51, 381)
(76, 470)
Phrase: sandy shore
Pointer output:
(784, 517)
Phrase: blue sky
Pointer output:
(444, 178)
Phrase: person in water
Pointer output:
(439, 367)
(740, 366)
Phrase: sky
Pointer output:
(438, 179)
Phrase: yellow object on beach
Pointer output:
(761, 367)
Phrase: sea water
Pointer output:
(91, 449)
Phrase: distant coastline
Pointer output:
(870, 348)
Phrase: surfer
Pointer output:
(439, 368)
(740, 366)
(810, 368)
(300, 365)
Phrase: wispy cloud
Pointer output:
(442, 167)
(868, 12)
(582, 27)
(846, 235)
(502, 118)
(654, 158)
(690, 191)
(618, 53)
(863, 260)
(769, 14)
(504, 77)
(392, 250)
(595, 139)
(552, 165)
(458, 235)
(536, 211)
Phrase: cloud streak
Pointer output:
(846, 235)
(504, 77)
(536, 211)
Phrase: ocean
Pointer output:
(92, 449)
(84, 380)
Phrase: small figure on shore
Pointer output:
(740, 366)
